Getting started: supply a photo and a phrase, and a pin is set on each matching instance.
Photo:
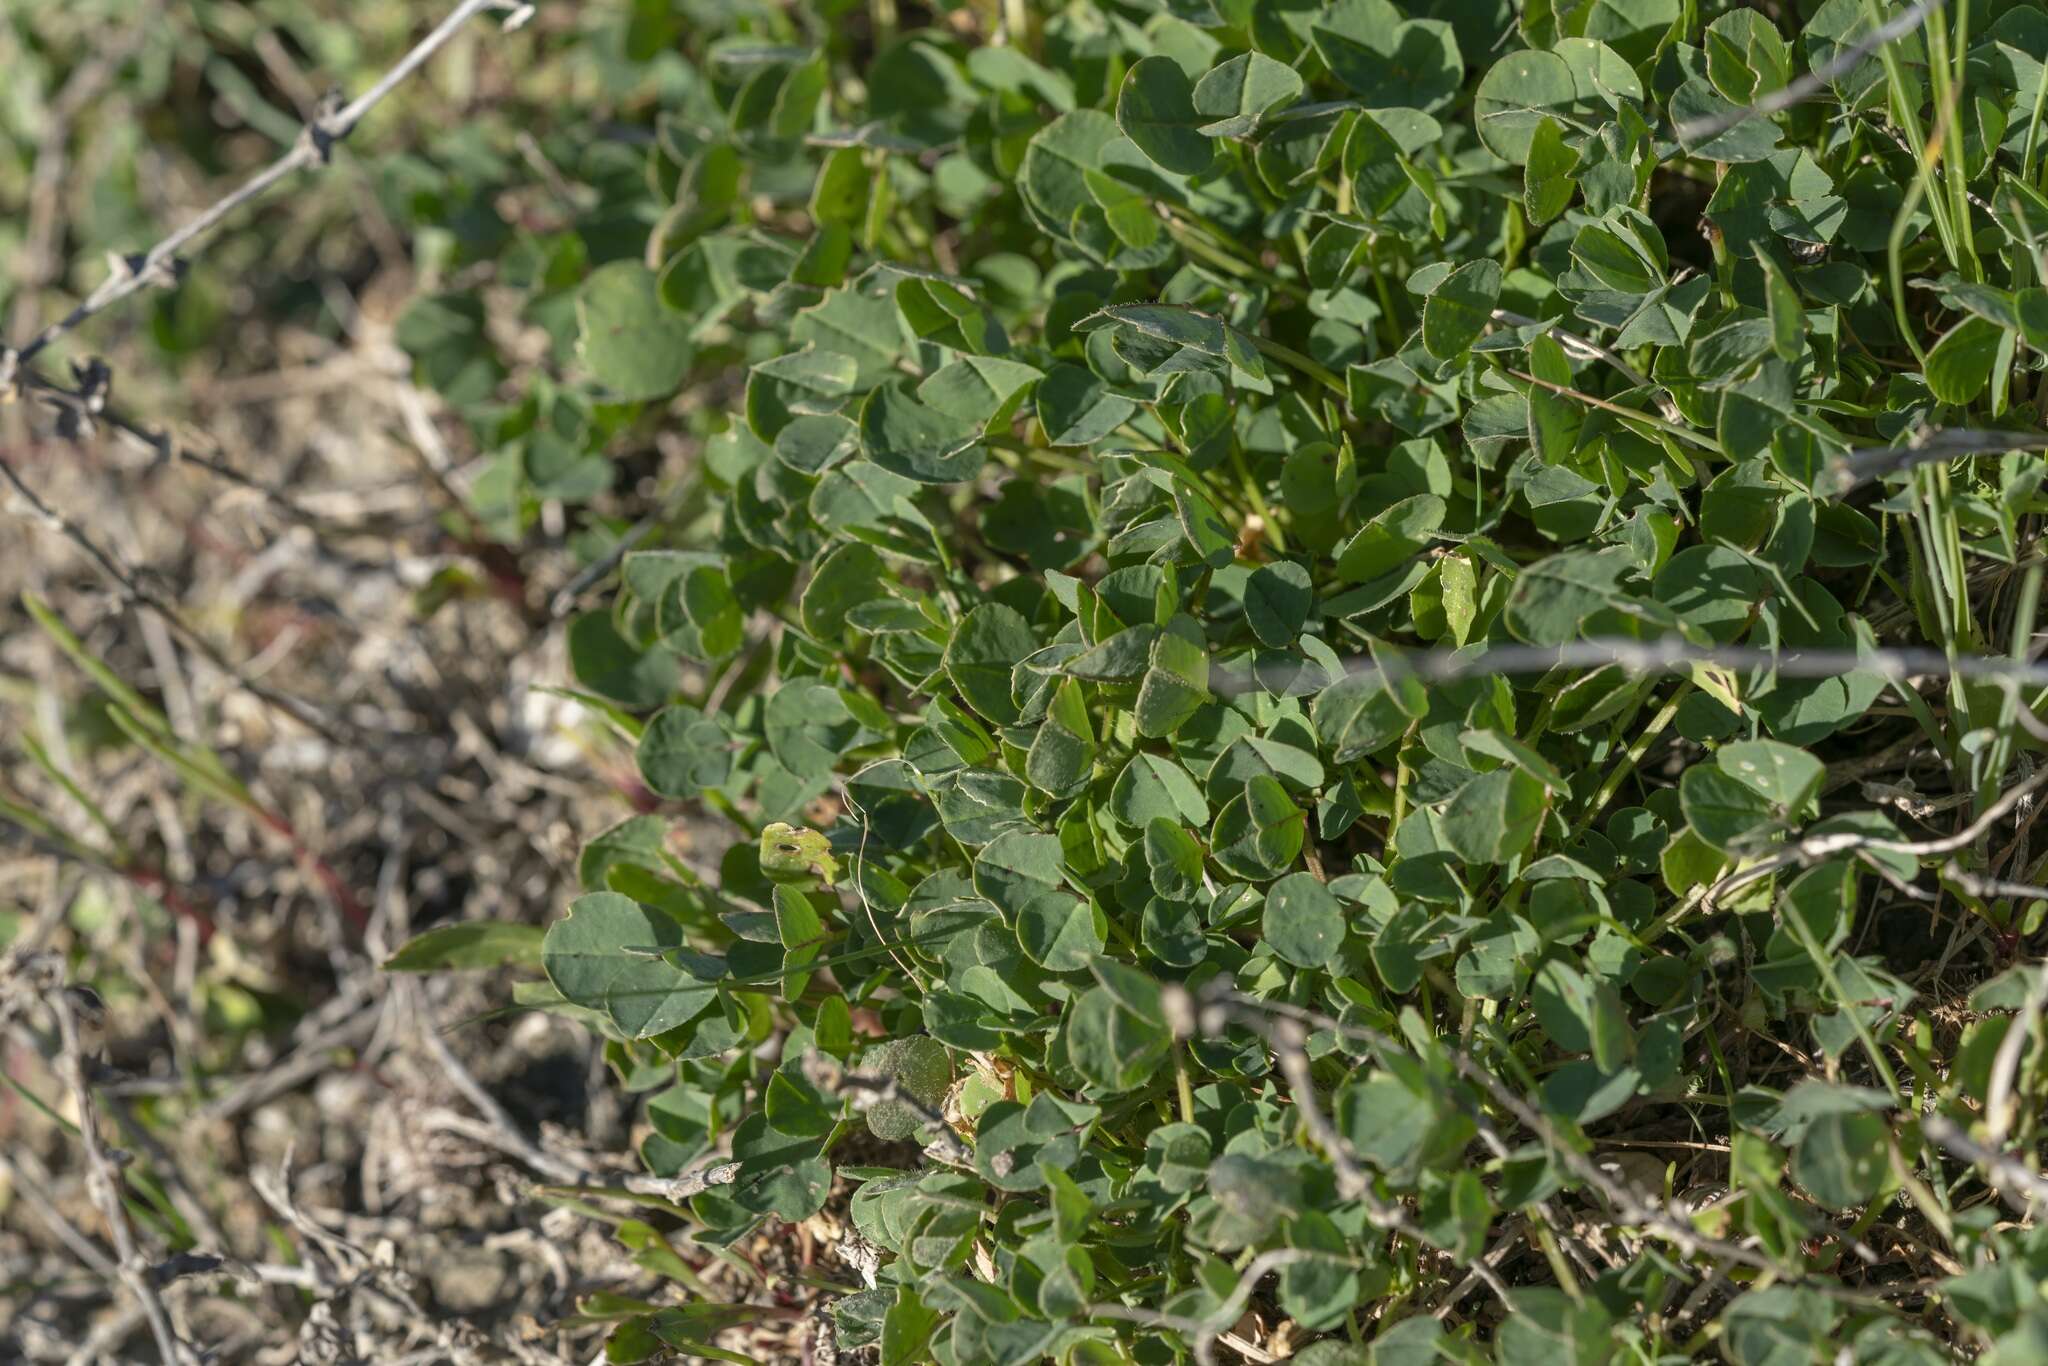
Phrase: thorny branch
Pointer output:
(80, 408)
(162, 265)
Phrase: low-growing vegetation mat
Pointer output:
(1342, 682)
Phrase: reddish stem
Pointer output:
(322, 872)
(174, 900)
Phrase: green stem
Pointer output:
(1632, 756)
(1314, 369)
(1803, 932)
(1950, 80)
(1196, 245)
(1257, 500)
(2034, 129)
(1905, 113)
(2023, 617)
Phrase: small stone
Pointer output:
(468, 1280)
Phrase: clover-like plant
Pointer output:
(1369, 661)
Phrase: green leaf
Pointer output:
(1277, 600)
(1515, 96)
(1458, 310)
(1259, 832)
(1959, 365)
(1174, 860)
(1697, 105)
(1062, 754)
(1844, 1159)
(1303, 922)
(471, 944)
(1151, 788)
(919, 1064)
(978, 390)
(612, 667)
(1722, 809)
(611, 954)
(1156, 110)
(683, 752)
(1580, 1014)
(939, 312)
(445, 336)
(799, 929)
(1360, 714)
(983, 652)
(1077, 409)
(1787, 315)
(844, 580)
(796, 857)
(1017, 867)
(809, 726)
(1059, 931)
(1781, 1324)
(631, 342)
(1237, 93)
(1392, 539)
(1552, 598)
(1494, 816)
(919, 442)
(1176, 681)
(1387, 61)
(1547, 1327)
(1115, 1034)
(1547, 183)
(1781, 774)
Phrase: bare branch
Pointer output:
(1589, 349)
(507, 1135)
(1668, 1222)
(683, 1185)
(1815, 849)
(1858, 467)
(1999, 1107)
(103, 1178)
(29, 1186)
(158, 443)
(2008, 1175)
(1671, 654)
